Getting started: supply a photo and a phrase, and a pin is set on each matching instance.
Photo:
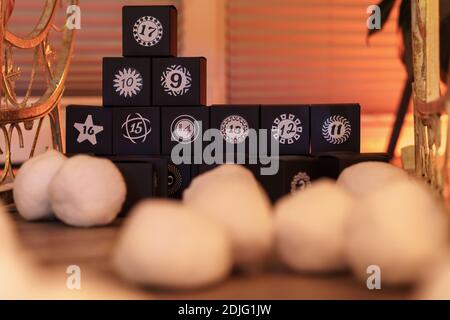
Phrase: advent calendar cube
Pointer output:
(332, 164)
(335, 128)
(179, 81)
(145, 176)
(149, 31)
(88, 130)
(295, 174)
(287, 126)
(136, 131)
(238, 126)
(184, 125)
(179, 177)
(127, 82)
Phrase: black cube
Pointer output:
(288, 127)
(142, 181)
(136, 131)
(127, 82)
(179, 177)
(183, 125)
(335, 128)
(332, 164)
(89, 130)
(149, 31)
(179, 81)
(295, 173)
(238, 125)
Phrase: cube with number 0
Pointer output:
(127, 82)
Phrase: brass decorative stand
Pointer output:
(431, 154)
(13, 112)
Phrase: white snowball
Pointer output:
(310, 228)
(87, 191)
(401, 228)
(164, 244)
(232, 196)
(366, 177)
(436, 284)
(31, 185)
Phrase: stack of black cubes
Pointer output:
(154, 100)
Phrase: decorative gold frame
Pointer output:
(14, 112)
(431, 164)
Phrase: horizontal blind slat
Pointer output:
(310, 51)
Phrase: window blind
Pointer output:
(310, 51)
(277, 51)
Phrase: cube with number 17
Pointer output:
(149, 31)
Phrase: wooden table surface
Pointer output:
(56, 246)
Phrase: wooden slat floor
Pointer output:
(55, 246)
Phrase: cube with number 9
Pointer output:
(179, 81)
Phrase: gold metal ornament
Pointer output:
(15, 113)
(431, 154)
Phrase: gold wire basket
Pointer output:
(16, 113)
(431, 151)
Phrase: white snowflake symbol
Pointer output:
(176, 80)
(128, 82)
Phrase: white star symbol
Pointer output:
(88, 131)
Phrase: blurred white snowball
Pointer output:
(400, 228)
(367, 177)
(231, 195)
(87, 191)
(310, 228)
(31, 185)
(164, 244)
